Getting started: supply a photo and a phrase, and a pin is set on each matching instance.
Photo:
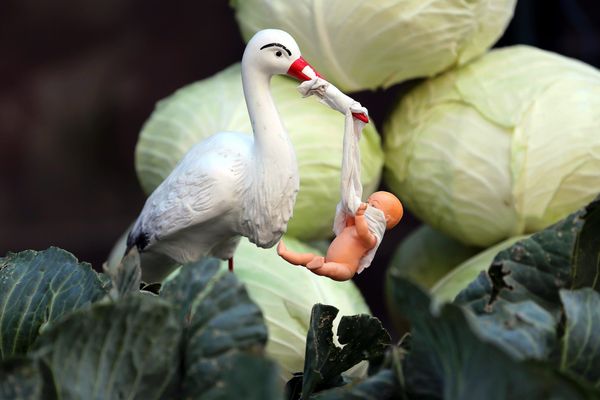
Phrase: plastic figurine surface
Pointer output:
(354, 241)
(230, 184)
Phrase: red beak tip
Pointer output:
(361, 117)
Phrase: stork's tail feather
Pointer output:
(137, 239)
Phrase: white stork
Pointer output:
(231, 184)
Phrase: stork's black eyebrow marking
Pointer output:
(277, 45)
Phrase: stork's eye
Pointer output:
(278, 53)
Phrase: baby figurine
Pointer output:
(355, 240)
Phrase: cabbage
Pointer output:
(359, 44)
(286, 293)
(217, 104)
(426, 255)
(450, 285)
(506, 145)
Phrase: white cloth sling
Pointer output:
(350, 186)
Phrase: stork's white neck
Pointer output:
(274, 174)
(270, 137)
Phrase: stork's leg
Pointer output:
(230, 262)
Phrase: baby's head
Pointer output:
(390, 205)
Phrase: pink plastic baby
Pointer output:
(345, 252)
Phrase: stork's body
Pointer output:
(211, 198)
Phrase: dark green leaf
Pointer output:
(319, 347)
(381, 386)
(362, 336)
(126, 276)
(293, 387)
(581, 340)
(221, 321)
(524, 329)
(586, 255)
(534, 269)
(128, 349)
(106, 282)
(449, 360)
(528, 275)
(150, 287)
(564, 255)
(477, 294)
(251, 378)
(37, 288)
(25, 379)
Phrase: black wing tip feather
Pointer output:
(137, 239)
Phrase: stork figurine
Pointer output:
(231, 184)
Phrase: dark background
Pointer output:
(79, 77)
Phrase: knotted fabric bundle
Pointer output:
(350, 186)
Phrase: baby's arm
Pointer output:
(362, 228)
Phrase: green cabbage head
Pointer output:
(217, 104)
(360, 44)
(503, 146)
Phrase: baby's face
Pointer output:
(379, 202)
(374, 202)
(389, 204)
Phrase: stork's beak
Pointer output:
(303, 71)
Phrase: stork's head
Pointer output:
(276, 52)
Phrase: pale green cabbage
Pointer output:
(450, 285)
(360, 44)
(506, 145)
(217, 104)
(286, 293)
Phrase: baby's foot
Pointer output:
(281, 248)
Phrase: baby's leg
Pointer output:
(292, 257)
(336, 271)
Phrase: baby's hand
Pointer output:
(361, 209)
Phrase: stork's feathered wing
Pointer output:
(193, 213)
